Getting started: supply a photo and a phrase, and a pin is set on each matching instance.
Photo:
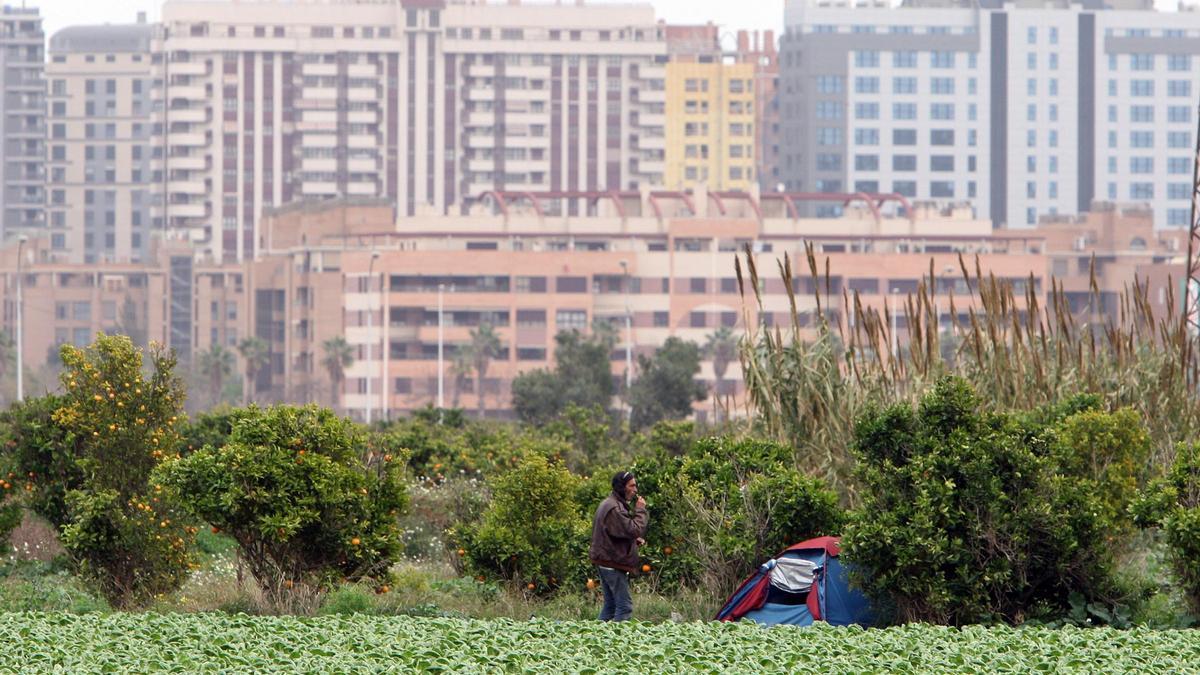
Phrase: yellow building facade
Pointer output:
(710, 126)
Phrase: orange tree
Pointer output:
(307, 499)
(87, 457)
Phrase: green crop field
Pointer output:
(210, 642)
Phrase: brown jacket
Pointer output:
(615, 531)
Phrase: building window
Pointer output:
(866, 162)
(1141, 190)
(571, 319)
(904, 85)
(908, 188)
(866, 136)
(904, 163)
(942, 189)
(866, 85)
(941, 163)
(904, 111)
(1141, 165)
(907, 59)
(1179, 139)
(941, 137)
(866, 59)
(1179, 62)
(1141, 62)
(1141, 139)
(941, 111)
(1141, 87)
(941, 59)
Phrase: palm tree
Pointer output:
(485, 346)
(338, 357)
(8, 355)
(461, 368)
(215, 365)
(721, 348)
(256, 355)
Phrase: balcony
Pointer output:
(359, 165)
(321, 69)
(362, 117)
(361, 94)
(188, 187)
(191, 92)
(193, 115)
(200, 163)
(318, 188)
(190, 68)
(319, 93)
(360, 142)
(362, 189)
(196, 209)
(187, 139)
(319, 164)
(359, 70)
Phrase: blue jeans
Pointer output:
(618, 604)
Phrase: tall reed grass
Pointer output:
(1019, 350)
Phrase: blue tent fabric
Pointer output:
(774, 615)
(843, 605)
(836, 602)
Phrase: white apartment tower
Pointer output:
(426, 103)
(22, 121)
(99, 153)
(1024, 110)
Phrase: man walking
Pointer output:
(617, 531)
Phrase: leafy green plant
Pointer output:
(724, 505)
(432, 643)
(302, 495)
(87, 457)
(532, 533)
(1174, 504)
(962, 521)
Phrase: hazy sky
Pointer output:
(727, 13)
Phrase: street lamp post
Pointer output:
(21, 317)
(628, 339)
(370, 328)
(441, 380)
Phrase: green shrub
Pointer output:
(532, 532)
(10, 518)
(297, 488)
(36, 444)
(349, 599)
(962, 521)
(718, 510)
(1109, 452)
(88, 455)
(1174, 504)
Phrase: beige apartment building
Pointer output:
(22, 121)
(665, 258)
(352, 268)
(426, 103)
(100, 180)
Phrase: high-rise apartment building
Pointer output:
(760, 49)
(22, 120)
(1022, 110)
(711, 125)
(427, 103)
(99, 162)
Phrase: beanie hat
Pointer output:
(619, 482)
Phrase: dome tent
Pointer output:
(805, 583)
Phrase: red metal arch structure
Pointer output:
(874, 202)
